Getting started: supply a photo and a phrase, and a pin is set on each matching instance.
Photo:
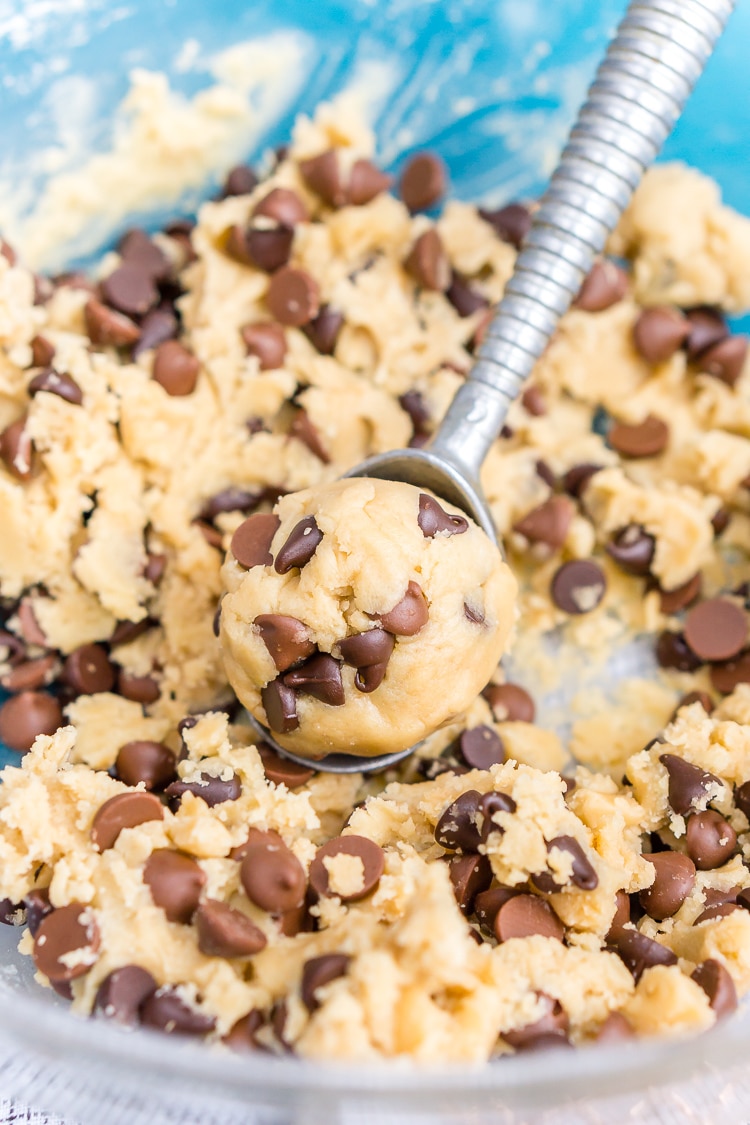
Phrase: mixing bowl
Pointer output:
(492, 85)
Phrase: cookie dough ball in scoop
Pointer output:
(362, 615)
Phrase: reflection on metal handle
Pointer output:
(639, 92)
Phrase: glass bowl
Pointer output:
(492, 85)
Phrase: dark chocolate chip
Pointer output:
(458, 826)
(548, 523)
(725, 360)
(510, 703)
(673, 882)
(423, 181)
(306, 432)
(701, 697)
(267, 342)
(367, 851)
(434, 520)
(17, 449)
(55, 383)
(176, 882)
(267, 248)
(716, 629)
(283, 771)
(287, 639)
(300, 546)
(30, 675)
(648, 438)
(659, 332)
(154, 567)
(87, 670)
(272, 876)
(42, 351)
(673, 651)
(490, 804)
(672, 601)
(481, 748)
(322, 174)
(632, 548)
(226, 932)
(293, 297)
(210, 788)
(282, 205)
(323, 330)
(717, 983)
(720, 521)
(688, 784)
(620, 918)
(710, 840)
(280, 705)
(318, 972)
(511, 223)
(524, 916)
(251, 542)
(142, 762)
(428, 263)
(107, 327)
(141, 689)
(367, 650)
(122, 993)
(125, 810)
(578, 586)
(366, 182)
(470, 875)
(320, 676)
(640, 952)
(487, 904)
(707, 327)
(409, 615)
(604, 286)
(717, 910)
(463, 297)
(582, 874)
(139, 250)
(242, 1036)
(130, 289)
(165, 1010)
(25, 716)
(175, 368)
(11, 913)
(533, 403)
(725, 677)
(229, 500)
(68, 930)
(574, 481)
(742, 798)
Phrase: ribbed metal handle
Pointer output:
(639, 92)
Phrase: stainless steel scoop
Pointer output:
(639, 92)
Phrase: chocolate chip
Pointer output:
(107, 327)
(176, 882)
(725, 360)
(42, 351)
(511, 223)
(282, 771)
(428, 263)
(127, 631)
(166, 1011)
(632, 548)
(212, 535)
(707, 327)
(726, 677)
(582, 873)
(251, 542)
(409, 615)
(138, 250)
(256, 837)
(710, 840)
(604, 286)
(293, 297)
(322, 175)
(673, 651)
(470, 875)
(122, 993)
(646, 439)
(306, 432)
(226, 932)
(11, 913)
(718, 985)
(717, 910)
(25, 716)
(280, 705)
(489, 804)
(267, 342)
(320, 676)
(574, 481)
(720, 521)
(125, 810)
(175, 368)
(300, 546)
(366, 182)
(287, 639)
(30, 674)
(458, 826)
(367, 851)
(413, 402)
(130, 289)
(474, 615)
(318, 972)
(323, 330)
(639, 952)
(701, 697)
(743, 899)
(17, 449)
(481, 748)
(273, 877)
(615, 1029)
(716, 629)
(282, 205)
(672, 601)
(423, 181)
(688, 784)
(54, 383)
(12, 648)
(620, 918)
(153, 570)
(140, 689)
(87, 670)
(237, 248)
(229, 500)
(266, 249)
(548, 523)
(488, 903)
(510, 703)
(524, 916)
(242, 1036)
(673, 882)
(533, 403)
(37, 906)
(141, 762)
(742, 798)
(210, 788)
(434, 520)
(363, 650)
(66, 943)
(240, 180)
(463, 297)
(659, 332)
(578, 586)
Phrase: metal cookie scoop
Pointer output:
(639, 92)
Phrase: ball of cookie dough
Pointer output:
(361, 616)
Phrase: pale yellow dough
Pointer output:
(372, 548)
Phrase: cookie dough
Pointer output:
(165, 868)
(362, 616)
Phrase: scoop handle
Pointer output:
(640, 89)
